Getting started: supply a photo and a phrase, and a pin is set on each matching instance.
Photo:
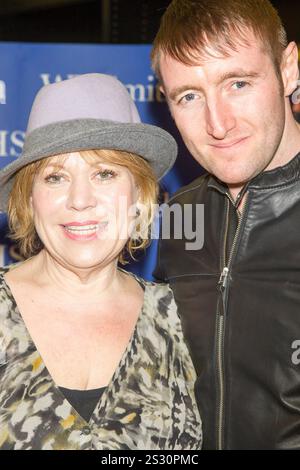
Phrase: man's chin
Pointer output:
(232, 177)
(231, 180)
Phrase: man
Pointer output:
(228, 73)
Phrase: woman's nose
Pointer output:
(81, 195)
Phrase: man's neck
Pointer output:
(237, 196)
(234, 191)
(289, 148)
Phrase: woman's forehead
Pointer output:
(75, 158)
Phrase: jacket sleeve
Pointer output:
(159, 272)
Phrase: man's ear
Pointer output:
(290, 69)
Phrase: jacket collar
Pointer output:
(280, 176)
(267, 179)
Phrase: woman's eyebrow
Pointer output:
(56, 166)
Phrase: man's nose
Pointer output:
(219, 118)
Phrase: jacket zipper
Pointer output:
(223, 293)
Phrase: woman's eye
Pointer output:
(106, 174)
(54, 178)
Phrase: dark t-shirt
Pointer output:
(84, 401)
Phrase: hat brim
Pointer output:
(150, 142)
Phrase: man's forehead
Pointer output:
(245, 63)
(214, 71)
(217, 50)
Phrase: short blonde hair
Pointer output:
(20, 217)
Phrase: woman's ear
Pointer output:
(137, 198)
(31, 205)
(138, 207)
(290, 68)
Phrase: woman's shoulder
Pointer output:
(160, 291)
(7, 305)
(159, 303)
(9, 267)
(3, 271)
(7, 301)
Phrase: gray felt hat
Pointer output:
(91, 111)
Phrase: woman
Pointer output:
(91, 356)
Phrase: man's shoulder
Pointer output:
(191, 191)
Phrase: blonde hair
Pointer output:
(189, 27)
(20, 215)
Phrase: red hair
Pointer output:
(190, 27)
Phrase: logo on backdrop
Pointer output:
(142, 93)
(2, 92)
(11, 143)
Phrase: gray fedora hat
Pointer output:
(91, 111)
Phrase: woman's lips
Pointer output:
(79, 224)
(79, 231)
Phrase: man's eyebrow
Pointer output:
(239, 73)
(177, 91)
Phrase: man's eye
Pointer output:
(187, 98)
(239, 85)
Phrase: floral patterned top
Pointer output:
(148, 404)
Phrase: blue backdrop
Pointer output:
(26, 67)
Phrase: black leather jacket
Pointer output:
(242, 326)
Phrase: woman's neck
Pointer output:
(94, 282)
